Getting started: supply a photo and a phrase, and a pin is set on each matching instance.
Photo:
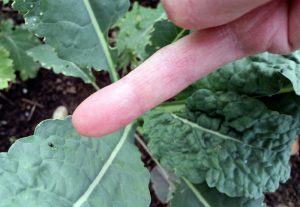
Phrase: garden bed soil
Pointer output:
(27, 103)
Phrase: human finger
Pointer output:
(294, 24)
(159, 78)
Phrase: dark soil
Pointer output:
(147, 3)
(27, 103)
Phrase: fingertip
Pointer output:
(89, 120)
(105, 111)
(82, 123)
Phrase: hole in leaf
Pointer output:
(50, 144)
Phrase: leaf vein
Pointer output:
(104, 169)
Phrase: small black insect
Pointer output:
(51, 145)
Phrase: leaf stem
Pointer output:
(163, 171)
(179, 35)
(196, 193)
(172, 107)
(285, 90)
(92, 79)
(212, 132)
(96, 87)
(281, 91)
(112, 70)
(84, 197)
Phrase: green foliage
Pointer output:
(249, 75)
(78, 35)
(231, 138)
(237, 122)
(17, 40)
(58, 167)
(242, 117)
(134, 35)
(164, 33)
(182, 193)
(7, 72)
(48, 58)
(203, 196)
(264, 74)
(225, 140)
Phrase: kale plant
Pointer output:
(224, 141)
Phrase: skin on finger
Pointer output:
(159, 78)
(175, 67)
(200, 14)
(294, 24)
(264, 29)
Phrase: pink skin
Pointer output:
(225, 33)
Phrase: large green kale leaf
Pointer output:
(201, 195)
(252, 75)
(58, 167)
(245, 118)
(76, 30)
(264, 74)
(17, 40)
(231, 141)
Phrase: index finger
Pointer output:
(161, 77)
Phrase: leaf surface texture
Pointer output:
(62, 168)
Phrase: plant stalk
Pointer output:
(163, 171)
(114, 76)
(172, 107)
(196, 193)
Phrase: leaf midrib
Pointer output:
(212, 132)
(196, 193)
(84, 197)
(114, 75)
